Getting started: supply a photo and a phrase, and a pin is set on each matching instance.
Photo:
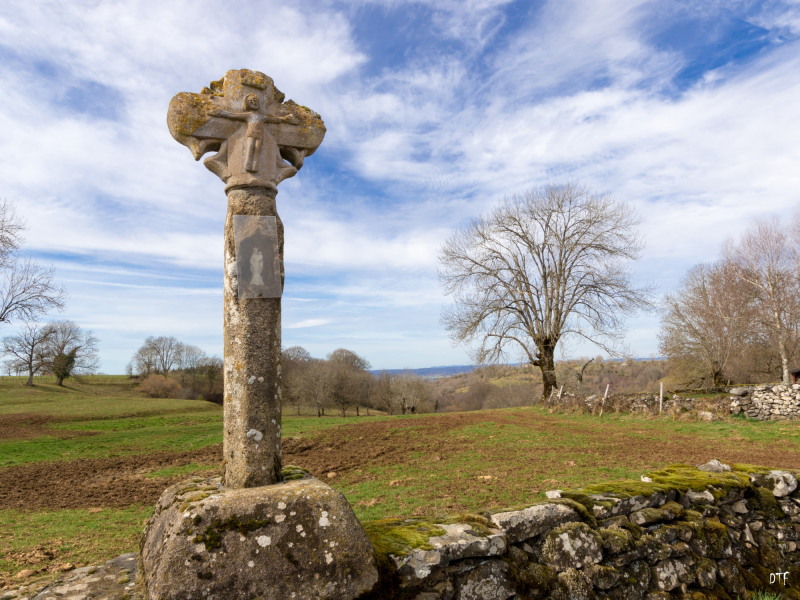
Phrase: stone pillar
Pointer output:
(259, 140)
(252, 446)
(250, 535)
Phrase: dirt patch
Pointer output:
(352, 450)
(95, 482)
(24, 426)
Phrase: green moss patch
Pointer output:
(291, 473)
(679, 477)
(398, 537)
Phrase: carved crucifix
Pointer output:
(259, 140)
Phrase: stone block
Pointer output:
(574, 545)
(297, 539)
(520, 525)
(714, 466)
(488, 581)
(780, 483)
(670, 573)
(459, 541)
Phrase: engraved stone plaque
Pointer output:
(257, 258)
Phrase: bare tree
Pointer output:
(70, 350)
(384, 394)
(318, 384)
(411, 391)
(29, 348)
(189, 357)
(297, 354)
(766, 259)
(294, 364)
(541, 266)
(27, 290)
(11, 229)
(159, 355)
(707, 323)
(349, 359)
(143, 362)
(350, 382)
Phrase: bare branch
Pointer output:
(540, 266)
(27, 291)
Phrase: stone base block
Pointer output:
(297, 539)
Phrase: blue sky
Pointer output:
(436, 110)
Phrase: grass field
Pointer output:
(81, 467)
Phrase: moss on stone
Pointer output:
(616, 541)
(480, 526)
(535, 576)
(709, 537)
(683, 477)
(291, 473)
(767, 504)
(398, 537)
(668, 512)
(625, 488)
(678, 477)
(579, 502)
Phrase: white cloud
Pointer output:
(568, 90)
(307, 323)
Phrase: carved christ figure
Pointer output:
(259, 139)
(256, 267)
(256, 131)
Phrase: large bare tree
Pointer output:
(27, 289)
(707, 323)
(543, 265)
(765, 257)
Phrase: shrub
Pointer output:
(160, 386)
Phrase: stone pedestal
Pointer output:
(298, 539)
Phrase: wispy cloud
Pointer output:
(435, 110)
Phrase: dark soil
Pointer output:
(24, 426)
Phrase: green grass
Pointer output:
(74, 536)
(117, 438)
(121, 422)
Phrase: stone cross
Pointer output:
(259, 140)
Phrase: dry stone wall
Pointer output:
(688, 533)
(767, 402)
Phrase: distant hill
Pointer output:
(447, 371)
(430, 372)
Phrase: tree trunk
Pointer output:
(547, 365)
(779, 330)
(60, 380)
(29, 382)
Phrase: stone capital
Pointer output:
(258, 138)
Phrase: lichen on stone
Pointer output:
(212, 535)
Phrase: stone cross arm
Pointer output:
(259, 139)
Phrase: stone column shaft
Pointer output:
(252, 331)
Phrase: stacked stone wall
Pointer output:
(728, 535)
(767, 402)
